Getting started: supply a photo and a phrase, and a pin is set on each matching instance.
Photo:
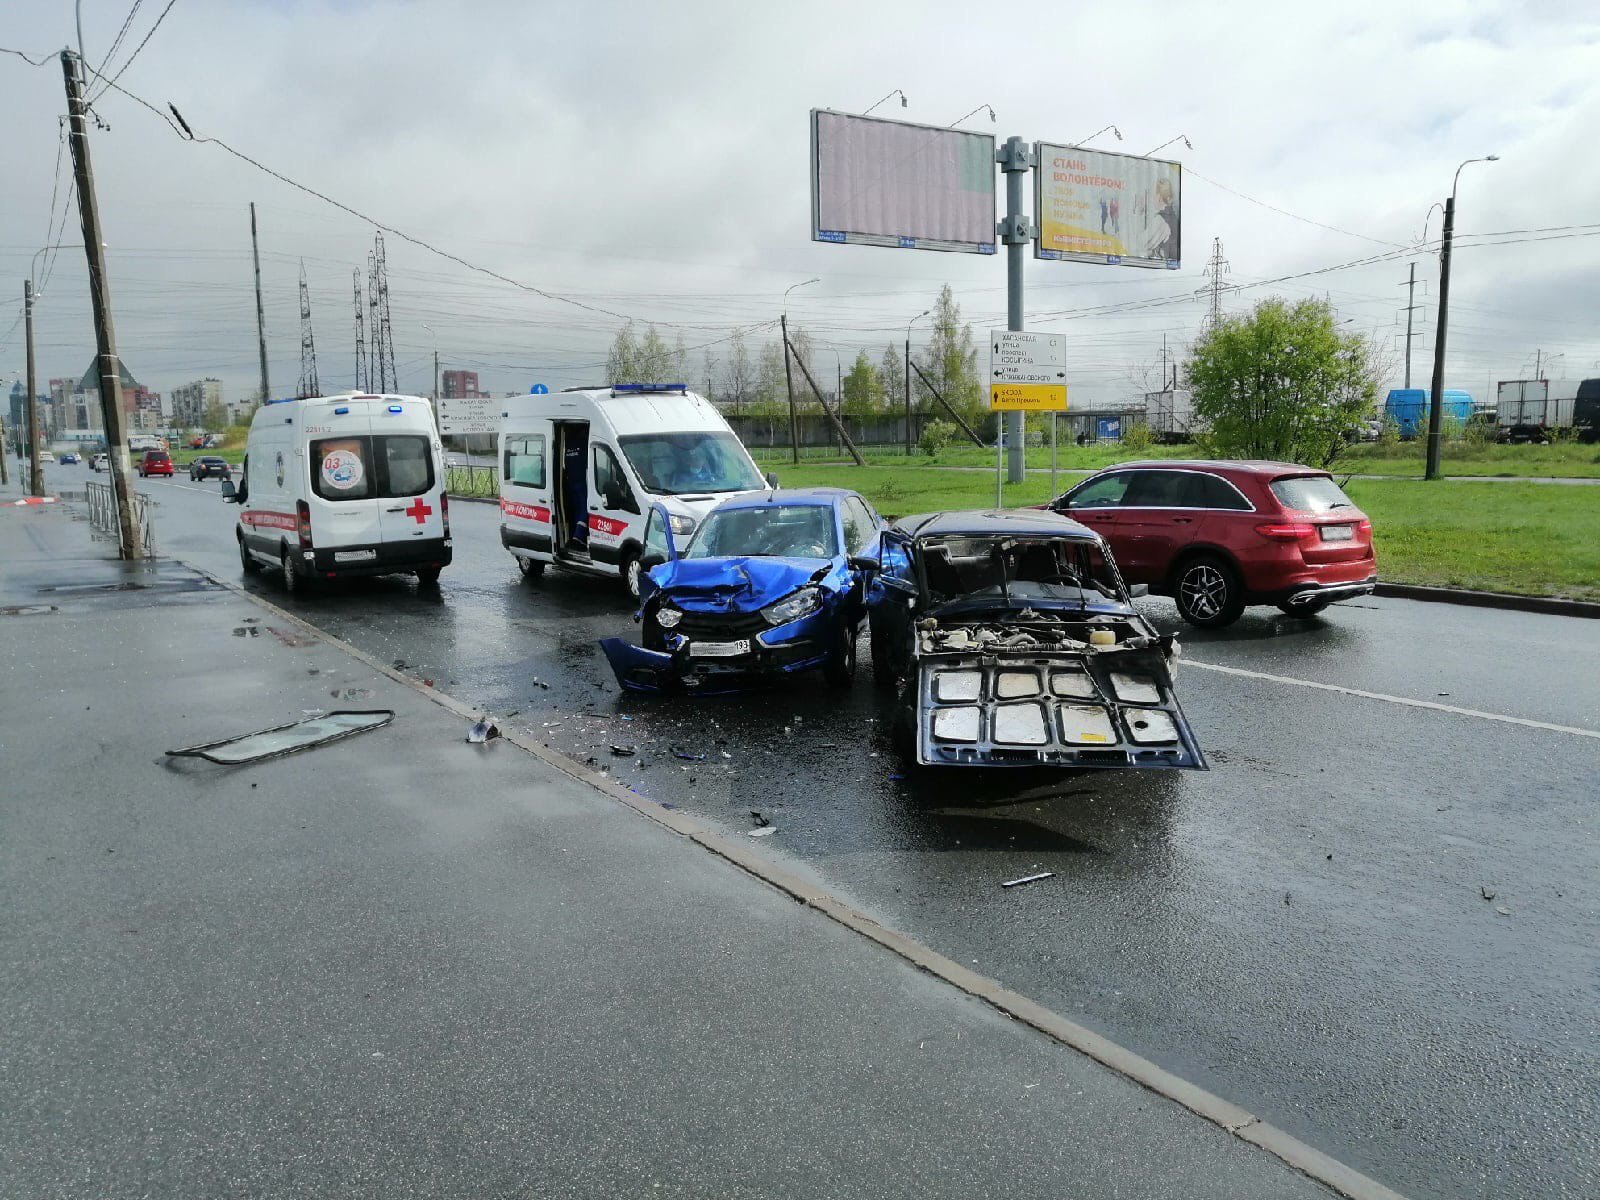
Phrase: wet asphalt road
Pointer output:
(1302, 930)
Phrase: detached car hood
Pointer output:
(735, 584)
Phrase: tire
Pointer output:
(291, 577)
(428, 577)
(840, 668)
(1208, 592)
(530, 568)
(629, 568)
(247, 561)
(1305, 610)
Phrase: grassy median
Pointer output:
(1534, 539)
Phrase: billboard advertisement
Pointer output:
(892, 183)
(1120, 209)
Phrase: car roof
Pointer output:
(1249, 466)
(1019, 522)
(821, 497)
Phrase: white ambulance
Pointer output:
(581, 469)
(343, 485)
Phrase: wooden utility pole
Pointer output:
(5, 476)
(261, 321)
(788, 383)
(30, 405)
(130, 535)
(838, 426)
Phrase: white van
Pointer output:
(343, 485)
(580, 469)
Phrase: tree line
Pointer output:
(745, 375)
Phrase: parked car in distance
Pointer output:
(209, 466)
(155, 462)
(770, 584)
(1015, 643)
(46, 457)
(70, 458)
(1217, 536)
(100, 462)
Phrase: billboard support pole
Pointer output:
(1015, 159)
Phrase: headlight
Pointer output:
(680, 524)
(791, 608)
(668, 618)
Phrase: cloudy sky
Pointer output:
(650, 161)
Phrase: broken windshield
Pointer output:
(768, 530)
(1018, 571)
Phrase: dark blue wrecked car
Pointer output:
(770, 584)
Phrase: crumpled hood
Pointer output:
(735, 584)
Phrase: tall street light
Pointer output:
(1435, 404)
(788, 374)
(909, 324)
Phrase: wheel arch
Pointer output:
(1202, 550)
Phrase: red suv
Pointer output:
(155, 462)
(1216, 536)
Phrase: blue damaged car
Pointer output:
(770, 584)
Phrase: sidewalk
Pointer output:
(405, 965)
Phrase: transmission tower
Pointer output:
(361, 335)
(308, 343)
(375, 348)
(1215, 270)
(388, 377)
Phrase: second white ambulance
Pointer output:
(581, 469)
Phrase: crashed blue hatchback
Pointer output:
(770, 584)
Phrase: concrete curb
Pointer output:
(1505, 600)
(1341, 1179)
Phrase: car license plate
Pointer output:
(354, 555)
(719, 649)
(1338, 533)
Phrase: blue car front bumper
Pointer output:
(782, 650)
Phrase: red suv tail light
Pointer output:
(302, 512)
(444, 511)
(1286, 531)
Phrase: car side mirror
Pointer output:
(772, 480)
(1139, 589)
(865, 563)
(229, 492)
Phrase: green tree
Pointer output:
(1282, 383)
(215, 417)
(863, 389)
(892, 376)
(769, 397)
(711, 373)
(740, 376)
(657, 361)
(951, 359)
(622, 360)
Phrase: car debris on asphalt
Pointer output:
(483, 731)
(1011, 883)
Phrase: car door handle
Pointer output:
(396, 508)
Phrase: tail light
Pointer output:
(1286, 531)
(444, 511)
(302, 512)
(1364, 527)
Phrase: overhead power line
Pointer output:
(113, 80)
(181, 127)
(1188, 170)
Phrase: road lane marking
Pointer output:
(1388, 699)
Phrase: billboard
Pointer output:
(892, 183)
(1121, 209)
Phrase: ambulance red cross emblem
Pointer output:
(419, 511)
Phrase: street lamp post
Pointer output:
(30, 403)
(788, 374)
(1436, 400)
(909, 324)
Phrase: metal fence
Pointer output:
(472, 480)
(103, 514)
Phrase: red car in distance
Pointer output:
(155, 462)
(1217, 536)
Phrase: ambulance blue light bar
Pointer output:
(341, 410)
(395, 408)
(650, 387)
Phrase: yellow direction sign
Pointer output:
(1028, 397)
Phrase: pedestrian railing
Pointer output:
(472, 480)
(103, 514)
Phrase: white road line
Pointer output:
(1388, 699)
